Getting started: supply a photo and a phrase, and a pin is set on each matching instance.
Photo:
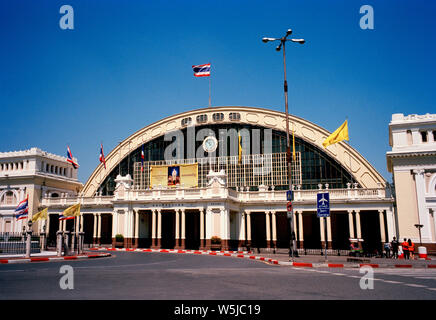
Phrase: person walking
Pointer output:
(387, 248)
(394, 246)
(405, 246)
(411, 249)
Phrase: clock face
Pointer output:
(210, 144)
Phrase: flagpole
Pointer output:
(349, 145)
(210, 91)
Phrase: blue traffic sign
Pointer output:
(289, 195)
(323, 205)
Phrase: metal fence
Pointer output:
(15, 243)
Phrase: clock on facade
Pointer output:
(210, 144)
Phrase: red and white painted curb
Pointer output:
(55, 258)
(236, 254)
(248, 255)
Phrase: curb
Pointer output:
(246, 255)
(236, 254)
(47, 259)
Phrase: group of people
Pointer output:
(391, 249)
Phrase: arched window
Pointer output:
(234, 116)
(54, 195)
(186, 121)
(9, 198)
(202, 118)
(218, 116)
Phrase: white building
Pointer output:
(36, 174)
(412, 162)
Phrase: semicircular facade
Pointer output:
(311, 134)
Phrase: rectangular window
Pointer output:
(424, 136)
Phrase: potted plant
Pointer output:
(215, 243)
(119, 241)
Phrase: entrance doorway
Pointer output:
(312, 231)
(192, 227)
(168, 229)
(258, 230)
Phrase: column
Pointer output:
(268, 229)
(208, 231)
(153, 229)
(99, 227)
(136, 228)
(182, 232)
(351, 223)
(248, 222)
(224, 229)
(382, 226)
(329, 232)
(177, 235)
(301, 229)
(274, 228)
(390, 224)
(423, 215)
(94, 235)
(159, 227)
(323, 235)
(358, 229)
(202, 229)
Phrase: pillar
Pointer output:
(301, 229)
(423, 215)
(136, 228)
(183, 228)
(322, 230)
(177, 234)
(390, 221)
(274, 228)
(159, 227)
(153, 229)
(248, 222)
(98, 227)
(351, 223)
(268, 229)
(94, 235)
(202, 229)
(329, 232)
(358, 228)
(382, 226)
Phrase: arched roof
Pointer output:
(363, 172)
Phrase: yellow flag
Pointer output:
(239, 148)
(340, 134)
(70, 212)
(40, 215)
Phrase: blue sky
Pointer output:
(127, 64)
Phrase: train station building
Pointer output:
(220, 175)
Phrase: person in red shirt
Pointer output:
(411, 249)
(405, 246)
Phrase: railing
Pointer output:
(15, 243)
(208, 193)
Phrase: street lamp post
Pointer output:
(292, 242)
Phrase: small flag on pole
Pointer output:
(70, 158)
(22, 210)
(202, 70)
(40, 215)
(70, 212)
(102, 160)
(142, 158)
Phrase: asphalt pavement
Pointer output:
(164, 276)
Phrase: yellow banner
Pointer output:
(185, 175)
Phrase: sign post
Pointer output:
(323, 211)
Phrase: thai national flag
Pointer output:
(202, 70)
(102, 156)
(22, 210)
(142, 158)
(70, 158)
